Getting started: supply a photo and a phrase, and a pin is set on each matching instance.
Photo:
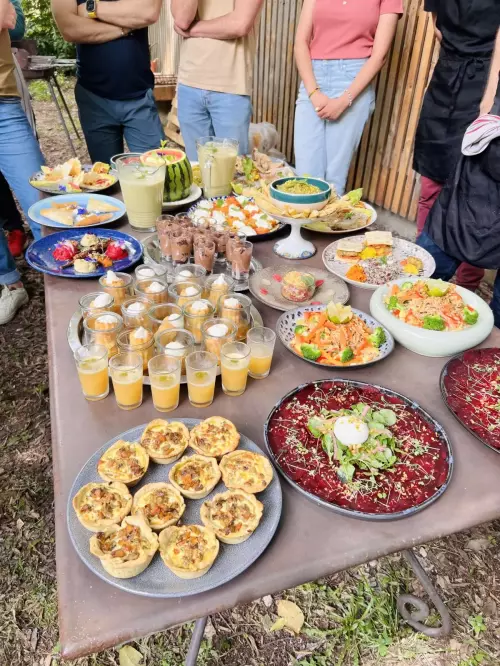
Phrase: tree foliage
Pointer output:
(41, 27)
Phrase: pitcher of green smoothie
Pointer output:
(142, 188)
(217, 158)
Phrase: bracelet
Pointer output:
(315, 90)
(348, 93)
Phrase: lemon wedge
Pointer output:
(437, 287)
(338, 314)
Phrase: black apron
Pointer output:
(465, 220)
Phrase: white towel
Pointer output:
(480, 134)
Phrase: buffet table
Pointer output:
(311, 541)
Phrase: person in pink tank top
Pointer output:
(340, 47)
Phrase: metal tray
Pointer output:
(157, 580)
(351, 513)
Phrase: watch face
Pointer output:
(90, 6)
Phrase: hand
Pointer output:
(8, 21)
(335, 108)
(487, 102)
(181, 32)
(439, 34)
(319, 100)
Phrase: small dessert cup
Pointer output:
(135, 311)
(204, 253)
(165, 225)
(165, 316)
(182, 293)
(119, 286)
(96, 302)
(196, 314)
(217, 332)
(181, 244)
(177, 343)
(234, 238)
(140, 340)
(217, 285)
(102, 329)
(241, 260)
(190, 273)
(237, 308)
(148, 271)
(155, 289)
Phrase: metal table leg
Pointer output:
(415, 618)
(54, 99)
(63, 99)
(196, 638)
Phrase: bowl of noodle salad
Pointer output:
(432, 317)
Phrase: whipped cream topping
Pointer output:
(172, 317)
(106, 319)
(221, 280)
(231, 303)
(175, 348)
(198, 306)
(185, 274)
(190, 291)
(146, 272)
(155, 287)
(136, 308)
(141, 333)
(101, 301)
(218, 330)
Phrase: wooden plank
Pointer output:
(164, 93)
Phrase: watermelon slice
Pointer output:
(178, 174)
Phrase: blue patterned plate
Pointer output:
(81, 200)
(39, 254)
(285, 327)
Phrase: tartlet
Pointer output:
(233, 515)
(214, 436)
(124, 461)
(125, 550)
(165, 441)
(100, 505)
(195, 476)
(188, 551)
(160, 503)
(246, 470)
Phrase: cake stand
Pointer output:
(294, 246)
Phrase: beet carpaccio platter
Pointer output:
(470, 384)
(360, 449)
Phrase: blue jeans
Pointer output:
(107, 122)
(209, 113)
(20, 157)
(446, 267)
(325, 148)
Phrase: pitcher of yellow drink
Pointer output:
(217, 158)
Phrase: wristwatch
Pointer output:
(91, 7)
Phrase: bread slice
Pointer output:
(98, 206)
(379, 238)
(93, 219)
(61, 215)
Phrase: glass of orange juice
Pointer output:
(126, 372)
(234, 362)
(261, 341)
(201, 370)
(165, 376)
(92, 365)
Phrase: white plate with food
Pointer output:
(375, 258)
(346, 219)
(77, 211)
(72, 177)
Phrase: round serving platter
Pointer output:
(402, 249)
(152, 255)
(54, 189)
(75, 336)
(82, 200)
(312, 393)
(489, 356)
(288, 320)
(315, 225)
(157, 580)
(266, 285)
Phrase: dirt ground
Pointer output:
(350, 618)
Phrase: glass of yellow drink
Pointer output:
(261, 341)
(92, 365)
(165, 316)
(126, 372)
(235, 359)
(201, 370)
(217, 158)
(165, 376)
(142, 188)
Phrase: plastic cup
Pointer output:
(201, 371)
(235, 359)
(126, 372)
(92, 365)
(165, 376)
(261, 341)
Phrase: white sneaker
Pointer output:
(10, 302)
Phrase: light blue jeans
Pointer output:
(325, 148)
(209, 113)
(20, 157)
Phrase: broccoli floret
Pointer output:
(470, 315)
(393, 304)
(300, 329)
(347, 355)
(406, 285)
(377, 338)
(310, 352)
(434, 323)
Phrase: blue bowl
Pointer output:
(315, 201)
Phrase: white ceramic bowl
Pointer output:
(433, 343)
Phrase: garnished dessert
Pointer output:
(218, 287)
(297, 286)
(91, 251)
(100, 505)
(196, 314)
(236, 308)
(160, 504)
(188, 551)
(139, 340)
(233, 516)
(359, 447)
(216, 332)
(116, 250)
(195, 476)
(102, 329)
(118, 285)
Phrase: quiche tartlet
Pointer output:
(124, 461)
(188, 551)
(214, 436)
(246, 470)
(195, 476)
(165, 441)
(233, 516)
(100, 505)
(125, 550)
(160, 503)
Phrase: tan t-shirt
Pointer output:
(8, 86)
(217, 64)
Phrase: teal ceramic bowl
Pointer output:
(301, 202)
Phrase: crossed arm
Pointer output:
(233, 25)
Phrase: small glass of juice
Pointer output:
(165, 376)
(201, 370)
(235, 359)
(92, 365)
(261, 341)
(126, 372)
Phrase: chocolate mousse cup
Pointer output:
(165, 225)
(241, 259)
(233, 239)
(204, 254)
(184, 221)
(181, 244)
(221, 238)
